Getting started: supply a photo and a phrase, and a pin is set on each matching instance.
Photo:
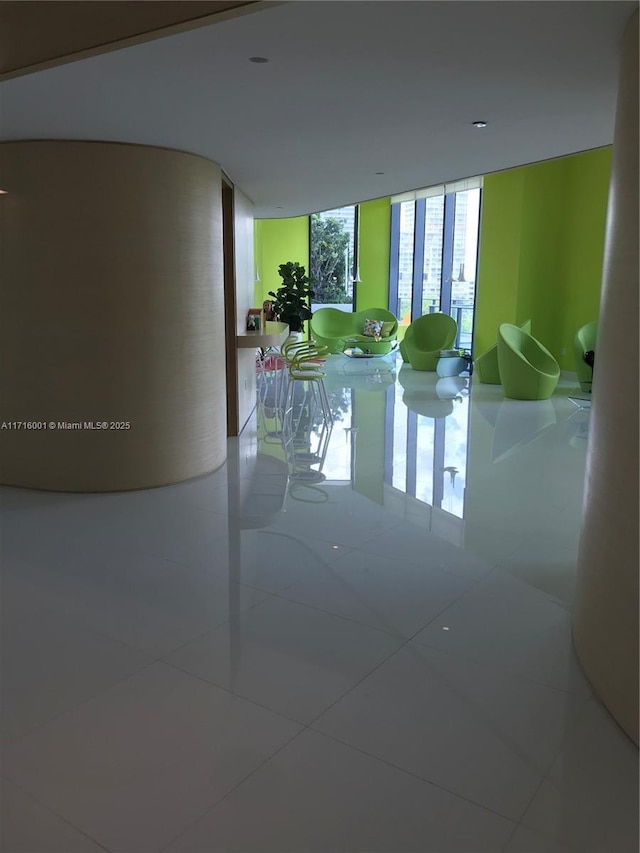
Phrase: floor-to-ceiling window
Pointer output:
(434, 254)
(333, 261)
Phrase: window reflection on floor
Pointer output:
(400, 443)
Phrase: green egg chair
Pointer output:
(485, 367)
(332, 328)
(527, 369)
(424, 339)
(583, 342)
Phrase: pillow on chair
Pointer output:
(372, 328)
(387, 328)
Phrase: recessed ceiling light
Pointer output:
(258, 59)
(479, 123)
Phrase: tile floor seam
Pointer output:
(563, 742)
(364, 624)
(508, 841)
(212, 629)
(228, 793)
(502, 567)
(209, 629)
(415, 775)
(404, 642)
(353, 687)
(91, 698)
(59, 611)
(302, 726)
(233, 693)
(335, 615)
(475, 593)
(538, 773)
(535, 793)
(497, 668)
(48, 808)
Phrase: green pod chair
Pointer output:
(485, 367)
(424, 339)
(527, 369)
(584, 341)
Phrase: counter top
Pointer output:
(274, 335)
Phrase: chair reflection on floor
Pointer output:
(305, 446)
(519, 424)
(577, 426)
(452, 387)
(261, 492)
(421, 396)
(271, 372)
(307, 419)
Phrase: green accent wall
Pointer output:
(541, 249)
(374, 243)
(499, 268)
(588, 180)
(276, 242)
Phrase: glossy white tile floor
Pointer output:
(368, 650)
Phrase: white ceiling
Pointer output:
(351, 89)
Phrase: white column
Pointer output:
(606, 614)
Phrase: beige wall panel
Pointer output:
(244, 269)
(110, 311)
(606, 614)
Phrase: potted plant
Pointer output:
(291, 299)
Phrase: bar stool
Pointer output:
(304, 373)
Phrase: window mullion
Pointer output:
(412, 438)
(447, 252)
(418, 259)
(394, 260)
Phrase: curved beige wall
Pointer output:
(111, 310)
(606, 615)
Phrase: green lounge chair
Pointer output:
(424, 339)
(527, 369)
(583, 342)
(485, 367)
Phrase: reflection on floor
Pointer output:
(355, 636)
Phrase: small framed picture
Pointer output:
(254, 320)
